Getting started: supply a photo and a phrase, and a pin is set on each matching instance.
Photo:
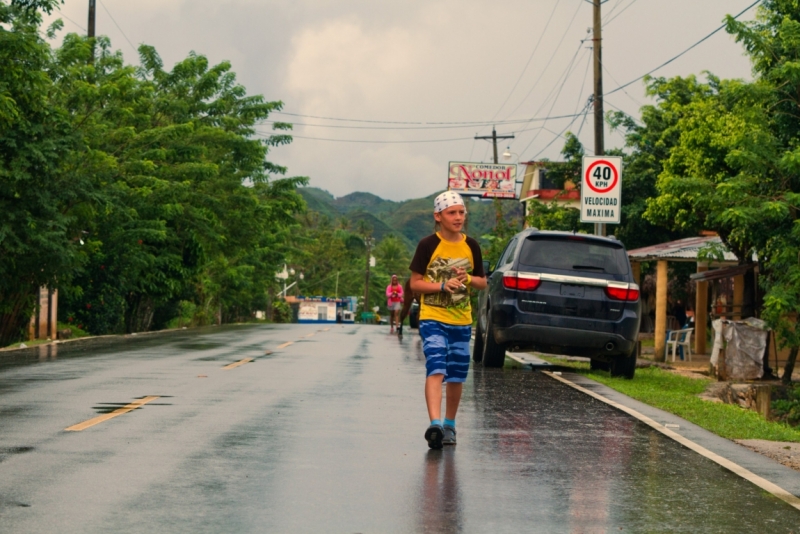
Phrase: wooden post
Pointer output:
(53, 322)
(738, 296)
(763, 400)
(701, 312)
(661, 311)
(44, 312)
(636, 267)
(722, 370)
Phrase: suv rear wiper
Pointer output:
(588, 268)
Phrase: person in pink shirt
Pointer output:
(394, 301)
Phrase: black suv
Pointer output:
(561, 293)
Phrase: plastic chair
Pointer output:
(681, 339)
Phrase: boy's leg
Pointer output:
(457, 366)
(434, 346)
(454, 390)
(433, 396)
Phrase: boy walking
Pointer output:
(440, 272)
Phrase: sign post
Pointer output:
(601, 190)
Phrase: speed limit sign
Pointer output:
(601, 188)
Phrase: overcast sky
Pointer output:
(424, 61)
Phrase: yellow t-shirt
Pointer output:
(436, 259)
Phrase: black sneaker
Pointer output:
(434, 436)
(449, 436)
(400, 330)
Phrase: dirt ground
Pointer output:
(782, 452)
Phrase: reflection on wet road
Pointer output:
(324, 434)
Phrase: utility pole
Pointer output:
(599, 142)
(91, 17)
(494, 137)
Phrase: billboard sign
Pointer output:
(601, 189)
(487, 180)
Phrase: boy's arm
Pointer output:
(418, 285)
(478, 282)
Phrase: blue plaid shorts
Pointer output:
(446, 349)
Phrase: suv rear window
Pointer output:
(573, 254)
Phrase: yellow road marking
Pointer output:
(746, 474)
(237, 364)
(310, 335)
(284, 345)
(326, 329)
(105, 417)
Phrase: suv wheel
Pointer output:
(494, 354)
(477, 347)
(624, 366)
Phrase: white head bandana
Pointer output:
(446, 200)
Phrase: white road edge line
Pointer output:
(746, 474)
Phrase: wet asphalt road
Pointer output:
(325, 435)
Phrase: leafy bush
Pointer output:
(788, 409)
(281, 312)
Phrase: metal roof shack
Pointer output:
(680, 250)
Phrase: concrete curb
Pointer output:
(110, 340)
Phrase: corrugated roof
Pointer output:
(681, 250)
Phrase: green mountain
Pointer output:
(411, 220)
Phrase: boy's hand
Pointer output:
(454, 284)
(461, 274)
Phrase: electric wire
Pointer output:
(535, 48)
(565, 76)
(555, 95)
(560, 134)
(616, 82)
(621, 87)
(611, 12)
(606, 23)
(72, 21)
(423, 125)
(553, 55)
(261, 133)
(117, 25)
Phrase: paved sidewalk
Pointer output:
(763, 466)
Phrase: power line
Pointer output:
(619, 2)
(401, 128)
(378, 141)
(429, 124)
(117, 25)
(615, 81)
(69, 19)
(535, 48)
(682, 53)
(606, 23)
(634, 119)
(584, 113)
(548, 63)
(555, 94)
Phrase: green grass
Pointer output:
(76, 333)
(31, 343)
(678, 395)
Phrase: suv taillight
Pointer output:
(629, 294)
(525, 282)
